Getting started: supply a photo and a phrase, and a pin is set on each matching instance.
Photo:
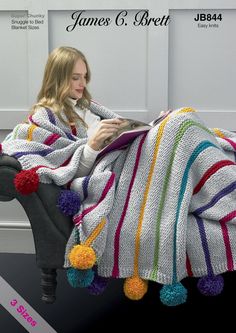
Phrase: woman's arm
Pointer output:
(106, 128)
(87, 160)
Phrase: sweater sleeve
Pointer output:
(87, 160)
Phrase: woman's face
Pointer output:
(78, 80)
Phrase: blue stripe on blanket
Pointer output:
(201, 147)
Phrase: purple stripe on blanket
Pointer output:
(205, 247)
(52, 119)
(44, 152)
(70, 136)
(51, 116)
(230, 188)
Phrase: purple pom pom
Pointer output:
(211, 285)
(98, 285)
(69, 202)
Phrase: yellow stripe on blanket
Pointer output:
(94, 234)
(218, 132)
(185, 110)
(83, 256)
(148, 184)
(30, 132)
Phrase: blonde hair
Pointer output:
(55, 88)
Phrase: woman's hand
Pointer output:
(106, 129)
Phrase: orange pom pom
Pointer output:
(135, 288)
(82, 257)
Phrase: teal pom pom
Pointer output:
(173, 294)
(81, 278)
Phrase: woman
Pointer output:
(64, 91)
(161, 209)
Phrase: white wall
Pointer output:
(136, 70)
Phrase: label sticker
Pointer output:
(21, 310)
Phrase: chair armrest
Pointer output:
(9, 161)
(51, 229)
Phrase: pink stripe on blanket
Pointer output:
(78, 219)
(115, 271)
(30, 118)
(228, 217)
(45, 166)
(223, 221)
(233, 144)
(66, 162)
(188, 266)
(211, 171)
(51, 139)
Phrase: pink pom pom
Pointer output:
(26, 181)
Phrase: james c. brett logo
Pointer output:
(140, 18)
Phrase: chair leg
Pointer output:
(49, 285)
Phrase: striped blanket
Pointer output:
(161, 209)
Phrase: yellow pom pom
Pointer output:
(135, 288)
(82, 257)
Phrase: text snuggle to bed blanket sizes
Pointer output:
(161, 209)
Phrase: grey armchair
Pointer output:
(51, 229)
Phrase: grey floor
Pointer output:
(76, 311)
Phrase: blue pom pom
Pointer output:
(81, 278)
(211, 285)
(69, 202)
(173, 294)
